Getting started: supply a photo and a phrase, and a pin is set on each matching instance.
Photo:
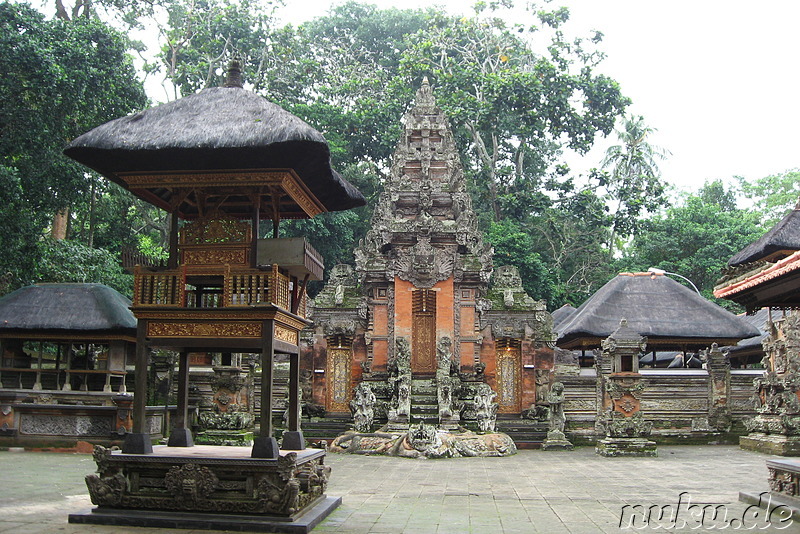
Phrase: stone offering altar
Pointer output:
(626, 430)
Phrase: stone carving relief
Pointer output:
(363, 407)
(399, 370)
(485, 408)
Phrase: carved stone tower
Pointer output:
(416, 318)
(424, 263)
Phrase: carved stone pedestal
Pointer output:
(556, 441)
(626, 447)
(205, 483)
(230, 438)
(778, 444)
(783, 501)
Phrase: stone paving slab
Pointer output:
(534, 491)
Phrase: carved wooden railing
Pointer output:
(160, 288)
(241, 287)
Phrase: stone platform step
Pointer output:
(525, 433)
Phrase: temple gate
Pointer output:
(423, 279)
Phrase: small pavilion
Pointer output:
(64, 351)
(671, 316)
(219, 162)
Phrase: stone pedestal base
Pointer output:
(300, 524)
(778, 444)
(626, 447)
(783, 502)
(205, 480)
(556, 441)
(231, 438)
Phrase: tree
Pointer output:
(773, 195)
(512, 246)
(633, 186)
(696, 238)
(61, 78)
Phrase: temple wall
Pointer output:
(676, 401)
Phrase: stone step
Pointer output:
(424, 399)
(423, 408)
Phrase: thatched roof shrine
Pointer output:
(669, 314)
(562, 314)
(782, 240)
(226, 137)
(60, 309)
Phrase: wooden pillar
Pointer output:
(138, 441)
(256, 220)
(173, 241)
(293, 437)
(181, 435)
(265, 445)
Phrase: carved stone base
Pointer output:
(626, 447)
(556, 441)
(207, 479)
(301, 524)
(778, 444)
(783, 502)
(229, 438)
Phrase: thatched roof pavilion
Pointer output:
(209, 139)
(782, 240)
(562, 315)
(672, 316)
(66, 310)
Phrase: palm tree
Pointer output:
(634, 181)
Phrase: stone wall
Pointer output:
(676, 401)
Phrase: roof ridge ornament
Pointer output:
(233, 76)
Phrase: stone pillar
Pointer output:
(719, 389)
(626, 430)
(776, 427)
(229, 420)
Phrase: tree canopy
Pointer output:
(60, 78)
(518, 94)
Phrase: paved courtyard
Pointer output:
(532, 492)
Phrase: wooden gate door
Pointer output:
(338, 374)
(508, 378)
(423, 331)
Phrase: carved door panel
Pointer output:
(508, 379)
(423, 331)
(338, 380)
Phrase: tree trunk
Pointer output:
(59, 228)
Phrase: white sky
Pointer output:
(718, 79)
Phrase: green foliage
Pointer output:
(515, 247)
(633, 187)
(69, 261)
(774, 195)
(694, 239)
(60, 78)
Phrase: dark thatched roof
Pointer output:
(760, 320)
(562, 314)
(85, 308)
(783, 236)
(220, 128)
(656, 306)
